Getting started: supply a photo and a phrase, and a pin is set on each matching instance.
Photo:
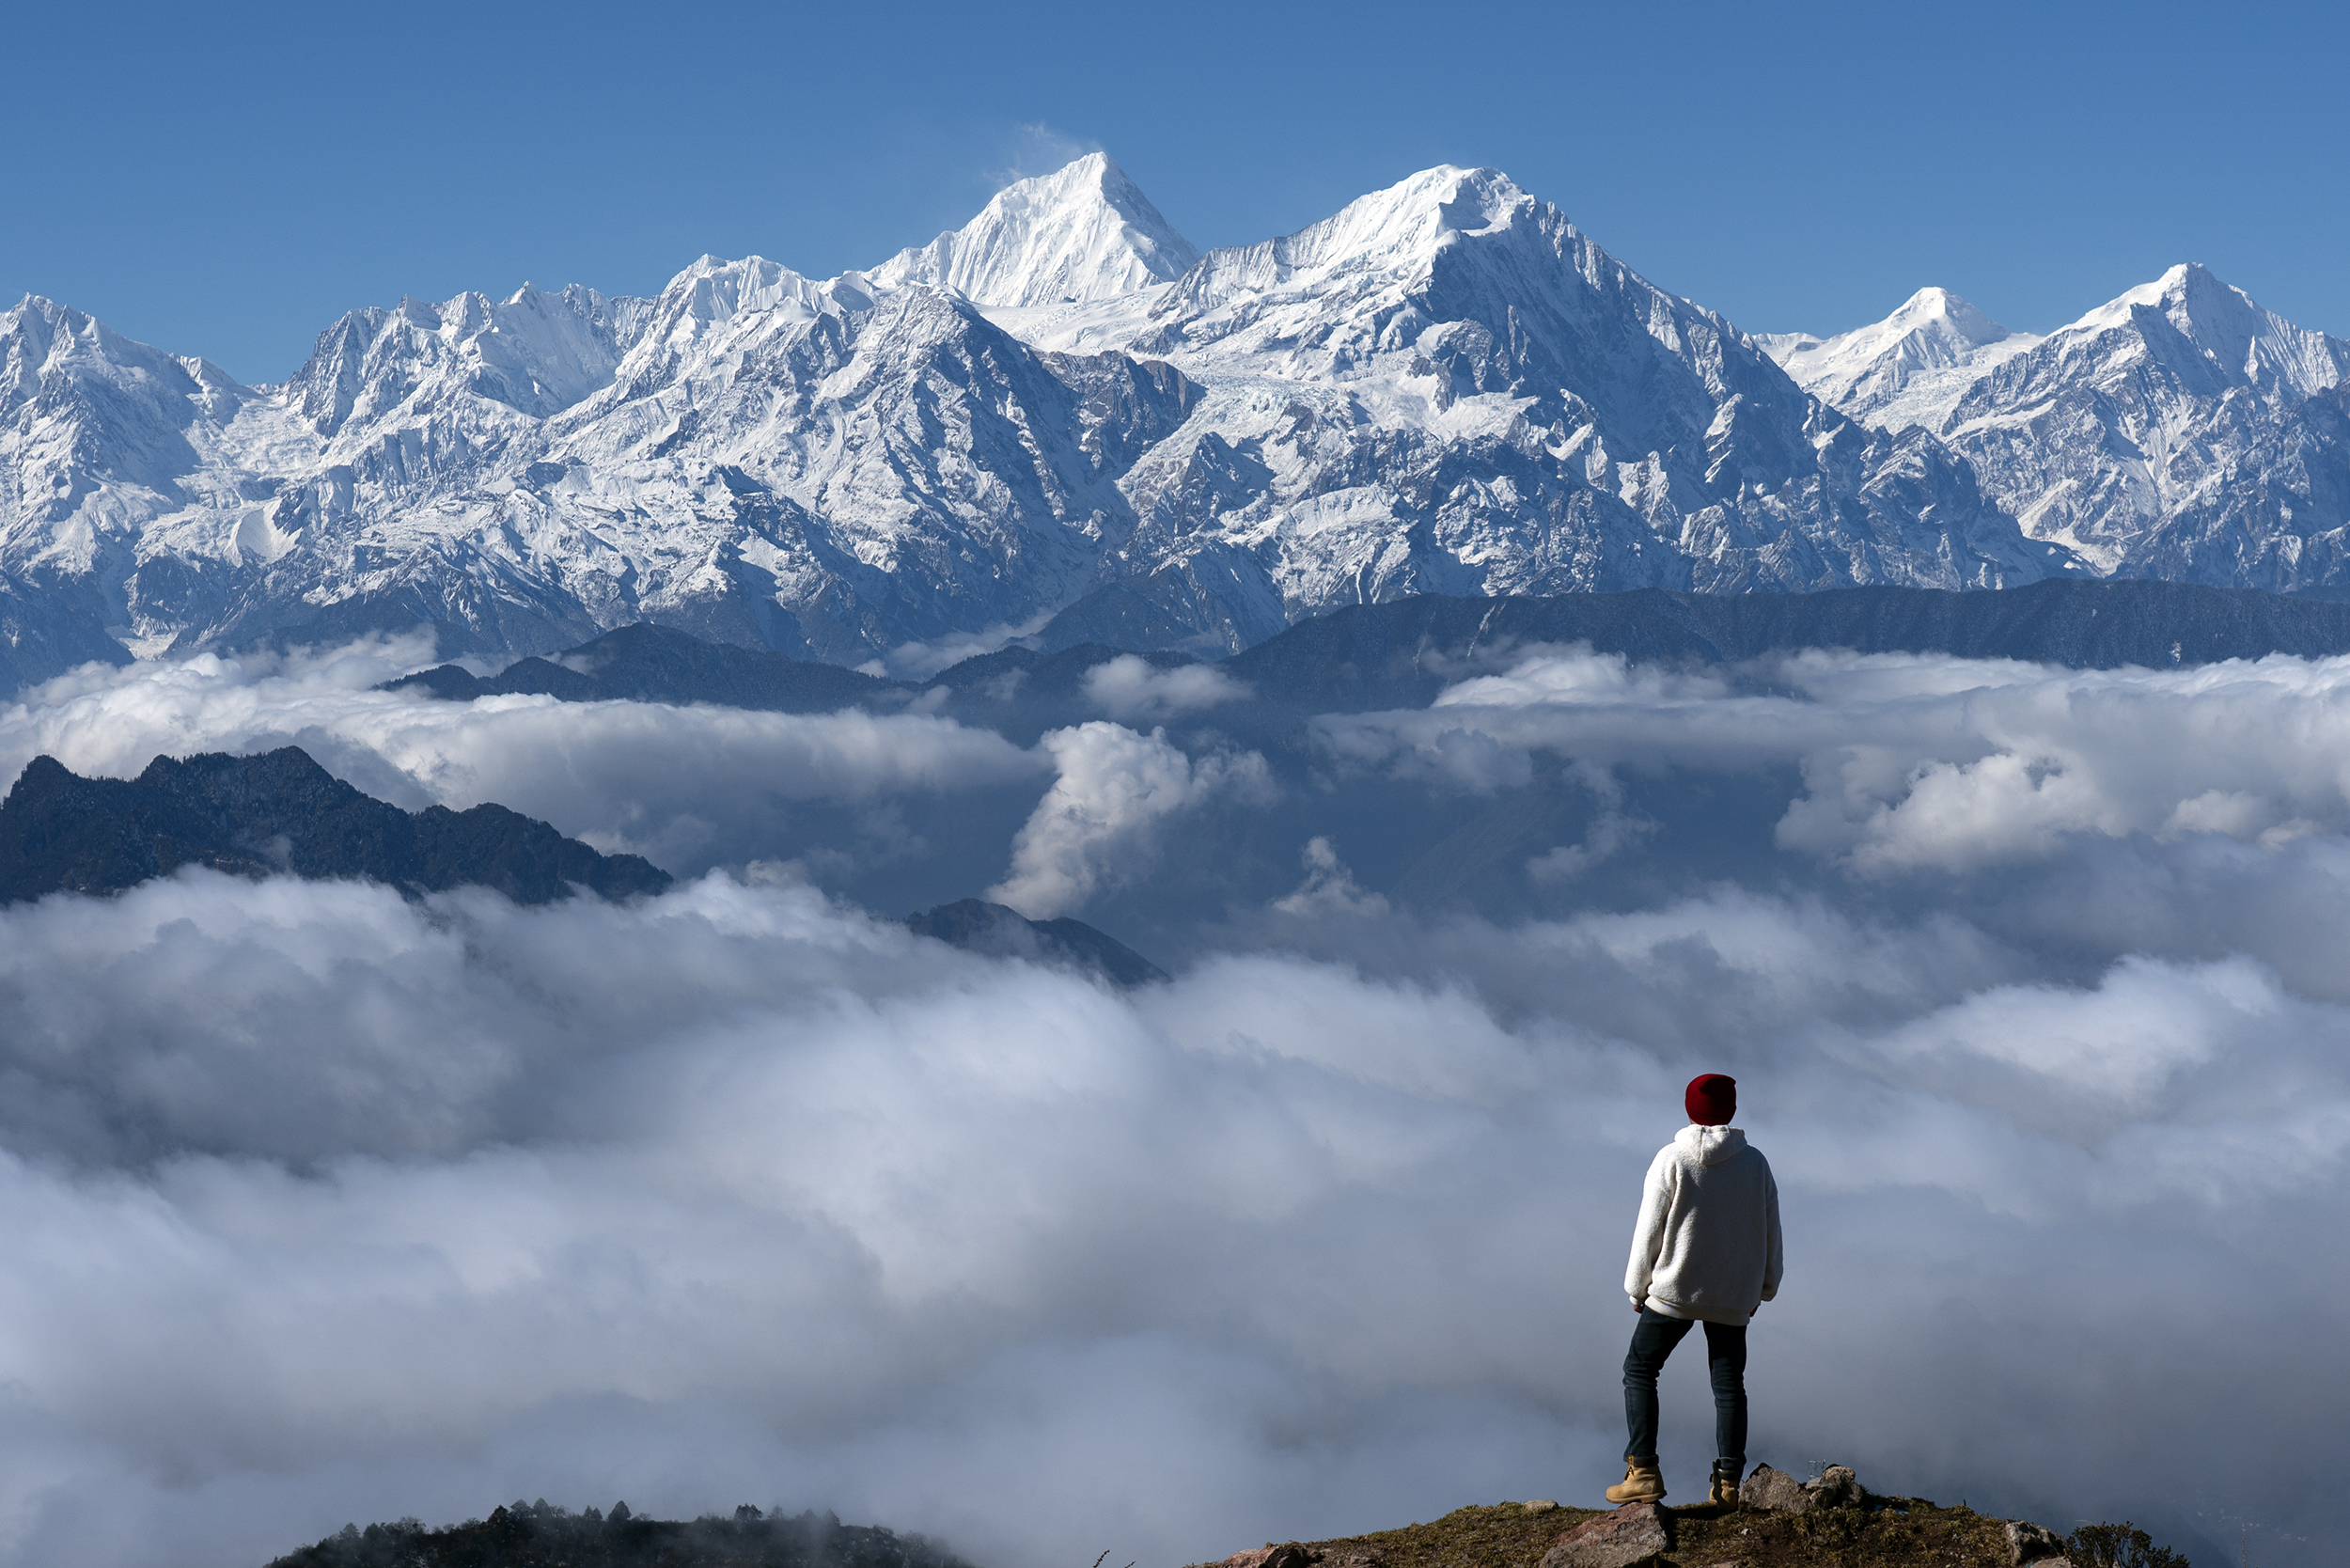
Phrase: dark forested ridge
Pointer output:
(536, 1535)
(279, 812)
(981, 927)
(659, 664)
(1404, 651)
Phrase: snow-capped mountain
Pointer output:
(1444, 386)
(1447, 388)
(1086, 232)
(1909, 369)
(2178, 432)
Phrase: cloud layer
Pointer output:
(1917, 762)
(686, 787)
(329, 1206)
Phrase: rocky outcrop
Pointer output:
(1780, 1523)
(1628, 1537)
(1774, 1491)
(1291, 1555)
(2029, 1543)
(1881, 1531)
(1837, 1487)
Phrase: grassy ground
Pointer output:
(1890, 1532)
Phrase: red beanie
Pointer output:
(1712, 1098)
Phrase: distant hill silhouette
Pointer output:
(1402, 653)
(534, 1535)
(658, 664)
(279, 812)
(1002, 932)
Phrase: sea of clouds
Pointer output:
(323, 1205)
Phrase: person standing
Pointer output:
(1706, 1250)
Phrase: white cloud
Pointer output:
(325, 1205)
(333, 1206)
(1913, 763)
(1329, 890)
(1128, 688)
(683, 785)
(1099, 825)
(1611, 833)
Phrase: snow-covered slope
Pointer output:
(1443, 387)
(1086, 232)
(1447, 388)
(2178, 432)
(1909, 369)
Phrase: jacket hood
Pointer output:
(1710, 1145)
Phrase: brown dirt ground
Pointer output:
(1889, 1532)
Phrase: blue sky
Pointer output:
(228, 180)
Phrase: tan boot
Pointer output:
(1724, 1492)
(1642, 1483)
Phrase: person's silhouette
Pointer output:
(1706, 1250)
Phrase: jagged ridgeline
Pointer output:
(280, 814)
(538, 1535)
(1444, 387)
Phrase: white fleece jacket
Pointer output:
(1707, 1246)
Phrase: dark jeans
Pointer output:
(1725, 1359)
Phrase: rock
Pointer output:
(1540, 1505)
(1634, 1534)
(1291, 1555)
(1775, 1490)
(1837, 1487)
(2029, 1543)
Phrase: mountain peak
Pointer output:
(1911, 367)
(1084, 231)
(2227, 328)
(1934, 324)
(2186, 285)
(1939, 306)
(1371, 245)
(1412, 216)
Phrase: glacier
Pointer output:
(1446, 387)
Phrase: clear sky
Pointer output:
(228, 180)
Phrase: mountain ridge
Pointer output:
(279, 812)
(843, 467)
(1445, 386)
(1404, 651)
(2178, 430)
